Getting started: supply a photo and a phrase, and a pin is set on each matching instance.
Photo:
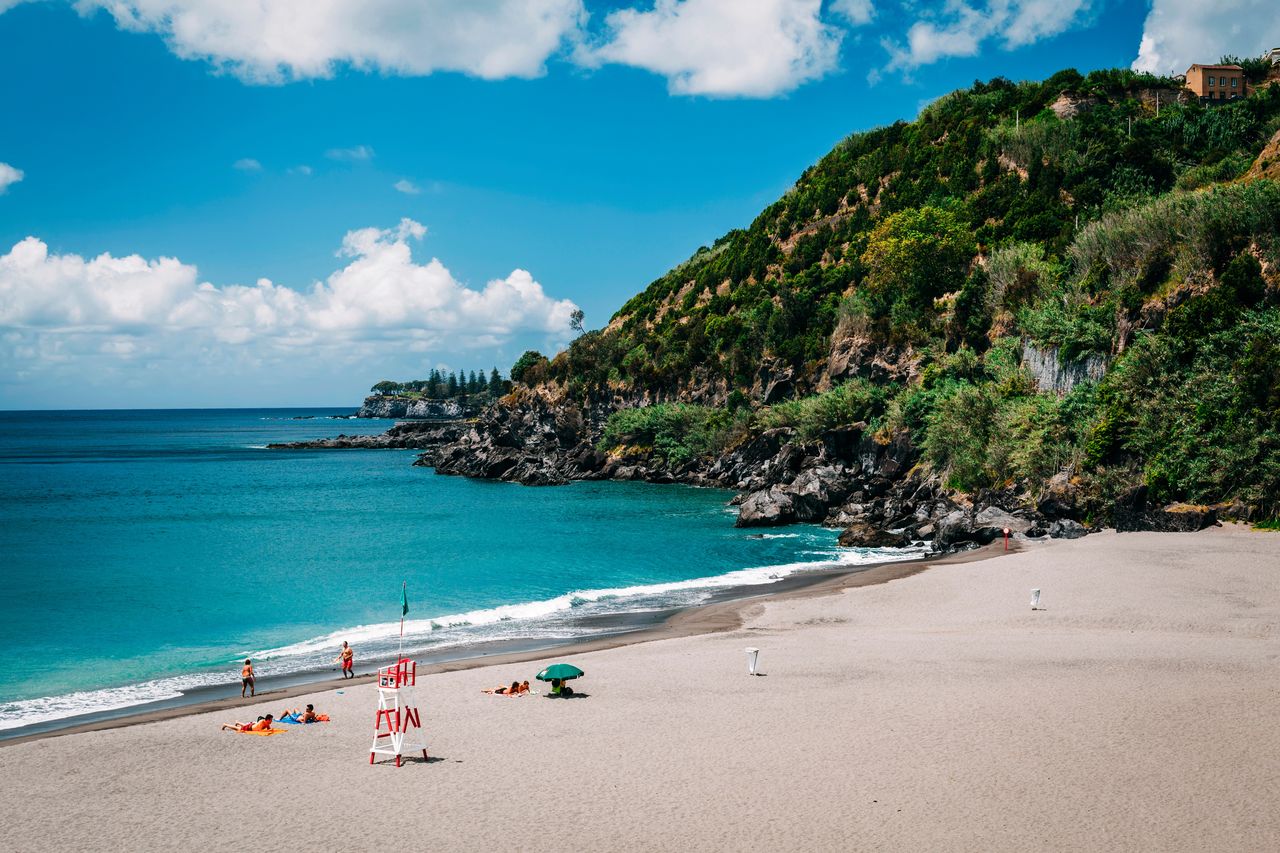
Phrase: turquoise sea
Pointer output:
(145, 553)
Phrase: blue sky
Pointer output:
(568, 153)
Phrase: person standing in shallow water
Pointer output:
(347, 657)
(246, 678)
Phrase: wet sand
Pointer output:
(933, 710)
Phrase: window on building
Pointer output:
(1211, 79)
(1222, 81)
(1235, 82)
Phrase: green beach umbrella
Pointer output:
(562, 671)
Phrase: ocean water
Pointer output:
(144, 554)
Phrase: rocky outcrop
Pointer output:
(384, 406)
(1132, 513)
(1069, 105)
(1053, 375)
(864, 535)
(540, 440)
(1268, 163)
(408, 436)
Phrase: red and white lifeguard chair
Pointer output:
(397, 728)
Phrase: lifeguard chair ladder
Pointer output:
(397, 727)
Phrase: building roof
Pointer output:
(1217, 67)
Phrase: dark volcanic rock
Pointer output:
(767, 508)
(420, 435)
(1131, 513)
(863, 535)
(390, 406)
(1066, 529)
(815, 491)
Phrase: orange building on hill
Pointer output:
(1216, 82)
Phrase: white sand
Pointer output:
(1139, 711)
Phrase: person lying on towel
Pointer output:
(261, 725)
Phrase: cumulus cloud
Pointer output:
(723, 48)
(1178, 33)
(406, 187)
(9, 176)
(107, 311)
(961, 29)
(857, 12)
(247, 164)
(283, 40)
(359, 152)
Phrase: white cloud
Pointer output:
(283, 40)
(406, 187)
(9, 176)
(1178, 33)
(961, 29)
(103, 314)
(359, 152)
(247, 164)
(722, 48)
(303, 170)
(857, 12)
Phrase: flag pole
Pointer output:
(404, 608)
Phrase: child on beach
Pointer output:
(246, 678)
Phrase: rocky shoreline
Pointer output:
(411, 435)
(868, 486)
(847, 478)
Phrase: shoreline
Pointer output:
(714, 616)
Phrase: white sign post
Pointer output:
(753, 655)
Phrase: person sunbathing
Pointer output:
(262, 724)
(505, 691)
(300, 715)
(524, 687)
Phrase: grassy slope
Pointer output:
(987, 222)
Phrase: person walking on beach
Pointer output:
(347, 657)
(246, 678)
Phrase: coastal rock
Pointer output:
(998, 519)
(1059, 498)
(392, 406)
(1132, 513)
(410, 436)
(863, 535)
(767, 508)
(1066, 529)
(814, 491)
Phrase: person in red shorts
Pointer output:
(347, 658)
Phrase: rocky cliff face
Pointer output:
(379, 406)
(1053, 375)
(847, 478)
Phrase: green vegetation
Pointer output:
(440, 386)
(1094, 216)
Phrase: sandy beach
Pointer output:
(1139, 710)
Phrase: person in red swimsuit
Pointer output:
(347, 657)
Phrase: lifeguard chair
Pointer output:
(397, 728)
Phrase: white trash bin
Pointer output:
(753, 655)
(1035, 599)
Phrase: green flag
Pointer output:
(404, 599)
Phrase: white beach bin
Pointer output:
(753, 655)
(1035, 599)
